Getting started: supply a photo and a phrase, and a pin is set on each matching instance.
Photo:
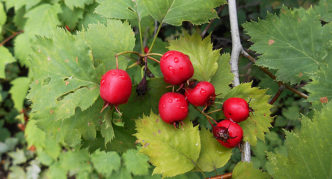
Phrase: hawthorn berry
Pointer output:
(236, 109)
(203, 94)
(173, 107)
(115, 87)
(146, 49)
(228, 133)
(176, 67)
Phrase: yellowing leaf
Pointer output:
(213, 154)
(202, 56)
(259, 121)
(173, 151)
(244, 170)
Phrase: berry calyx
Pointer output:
(203, 94)
(115, 87)
(228, 133)
(176, 67)
(236, 109)
(173, 107)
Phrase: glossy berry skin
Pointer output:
(173, 107)
(176, 67)
(236, 109)
(202, 94)
(115, 87)
(228, 133)
(146, 49)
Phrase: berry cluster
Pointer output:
(177, 69)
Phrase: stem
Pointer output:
(155, 37)
(126, 52)
(140, 35)
(155, 54)
(217, 110)
(224, 176)
(266, 71)
(207, 116)
(151, 58)
(236, 50)
(117, 62)
(276, 96)
(210, 23)
(10, 37)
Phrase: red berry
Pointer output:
(202, 94)
(146, 49)
(115, 87)
(228, 133)
(173, 107)
(176, 67)
(236, 109)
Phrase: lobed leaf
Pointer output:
(136, 163)
(78, 4)
(18, 91)
(295, 43)
(245, 170)
(174, 12)
(106, 162)
(223, 77)
(5, 58)
(201, 53)
(308, 150)
(173, 151)
(259, 121)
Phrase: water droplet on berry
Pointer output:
(177, 99)
(170, 100)
(203, 91)
(113, 73)
(170, 68)
(102, 82)
(184, 108)
(122, 77)
(176, 60)
(163, 106)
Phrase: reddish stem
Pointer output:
(10, 37)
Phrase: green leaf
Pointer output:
(135, 162)
(34, 135)
(295, 43)
(75, 161)
(3, 16)
(320, 88)
(17, 4)
(324, 10)
(173, 151)
(42, 20)
(63, 72)
(16, 172)
(223, 77)
(56, 172)
(213, 155)
(121, 9)
(259, 121)
(202, 56)
(106, 163)
(107, 128)
(70, 17)
(174, 12)
(79, 4)
(108, 40)
(23, 47)
(18, 157)
(123, 173)
(308, 149)
(19, 90)
(244, 170)
(5, 58)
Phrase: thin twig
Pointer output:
(10, 37)
(207, 116)
(276, 96)
(217, 110)
(151, 58)
(236, 50)
(224, 176)
(211, 21)
(266, 71)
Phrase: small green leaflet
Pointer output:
(19, 90)
(63, 72)
(295, 43)
(56, 172)
(174, 12)
(79, 4)
(308, 149)
(75, 161)
(202, 56)
(213, 154)
(135, 162)
(106, 162)
(244, 170)
(42, 20)
(107, 40)
(173, 151)
(223, 77)
(121, 9)
(18, 156)
(23, 47)
(5, 58)
(259, 121)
